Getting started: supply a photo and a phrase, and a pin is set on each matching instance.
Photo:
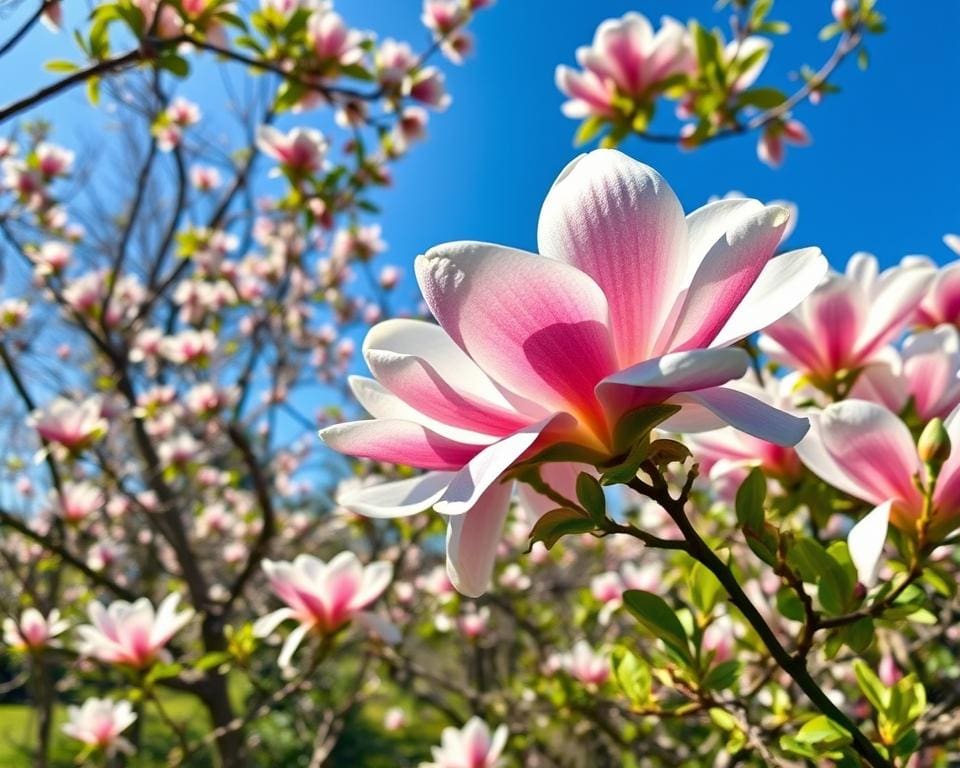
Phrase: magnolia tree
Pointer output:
(667, 492)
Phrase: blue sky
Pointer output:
(882, 174)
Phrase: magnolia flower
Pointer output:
(771, 147)
(941, 304)
(99, 723)
(183, 112)
(926, 372)
(443, 16)
(473, 623)
(72, 425)
(189, 346)
(52, 16)
(626, 58)
(848, 319)
(205, 177)
(753, 49)
(631, 305)
(131, 634)
(79, 500)
(301, 150)
(53, 160)
(428, 86)
(33, 631)
(322, 597)
(586, 665)
(469, 747)
(332, 41)
(865, 450)
(362, 243)
(51, 258)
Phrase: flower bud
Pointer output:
(934, 444)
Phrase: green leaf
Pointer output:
(762, 98)
(830, 31)
(633, 676)
(863, 59)
(658, 618)
(822, 730)
(749, 502)
(637, 424)
(58, 65)
(558, 523)
(858, 635)
(875, 691)
(705, 589)
(722, 676)
(627, 469)
(589, 130)
(175, 64)
(212, 660)
(93, 91)
(590, 495)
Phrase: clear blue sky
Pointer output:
(883, 174)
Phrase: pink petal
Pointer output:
(619, 221)
(472, 540)
(398, 442)
(523, 319)
(873, 447)
(750, 415)
(901, 290)
(727, 273)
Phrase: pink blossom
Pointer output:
(472, 746)
(442, 16)
(332, 41)
(52, 16)
(927, 370)
(494, 383)
(205, 177)
(941, 304)
(33, 631)
(863, 449)
(394, 61)
(848, 319)
(473, 623)
(72, 425)
(99, 723)
(79, 501)
(131, 634)
(586, 665)
(427, 86)
(362, 243)
(53, 161)
(300, 150)
(410, 127)
(394, 719)
(771, 147)
(888, 671)
(51, 258)
(843, 10)
(321, 597)
(12, 313)
(607, 587)
(189, 346)
(626, 58)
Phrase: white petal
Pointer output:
(866, 542)
(398, 499)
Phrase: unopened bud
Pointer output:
(934, 444)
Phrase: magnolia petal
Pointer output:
(267, 625)
(785, 281)
(291, 644)
(750, 415)
(866, 540)
(874, 447)
(398, 499)
(522, 318)
(398, 442)
(487, 467)
(619, 221)
(727, 273)
(472, 540)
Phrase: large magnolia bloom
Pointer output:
(865, 450)
(630, 304)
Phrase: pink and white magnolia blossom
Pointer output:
(300, 150)
(586, 665)
(78, 501)
(626, 58)
(99, 723)
(131, 634)
(845, 323)
(322, 597)
(33, 631)
(332, 41)
(630, 305)
(926, 373)
(52, 16)
(428, 86)
(472, 746)
(941, 304)
(53, 161)
(70, 424)
(863, 449)
(771, 146)
(205, 177)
